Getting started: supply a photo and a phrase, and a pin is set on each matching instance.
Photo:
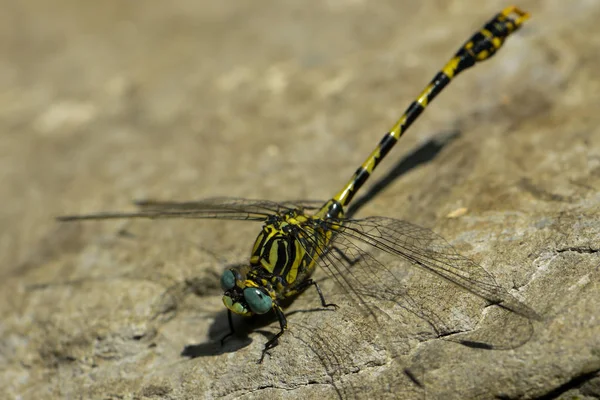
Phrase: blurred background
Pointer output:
(105, 102)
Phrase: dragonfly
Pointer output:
(296, 237)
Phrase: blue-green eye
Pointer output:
(227, 280)
(259, 301)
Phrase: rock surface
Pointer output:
(106, 102)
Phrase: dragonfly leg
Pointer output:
(310, 282)
(303, 286)
(231, 328)
(273, 342)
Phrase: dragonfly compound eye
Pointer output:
(227, 280)
(259, 301)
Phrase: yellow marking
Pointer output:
(523, 15)
(423, 98)
(279, 287)
(483, 55)
(273, 253)
(257, 242)
(267, 234)
(291, 293)
(293, 271)
(266, 265)
(369, 163)
(249, 283)
(344, 193)
(397, 129)
(235, 307)
(497, 42)
(239, 309)
(451, 67)
(296, 219)
(486, 33)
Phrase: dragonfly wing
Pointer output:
(358, 273)
(429, 251)
(310, 205)
(233, 203)
(229, 208)
(215, 208)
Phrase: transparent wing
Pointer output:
(362, 277)
(266, 205)
(213, 208)
(419, 246)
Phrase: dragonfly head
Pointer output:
(242, 296)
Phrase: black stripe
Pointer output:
(265, 250)
(498, 28)
(263, 236)
(291, 255)
(335, 209)
(440, 81)
(412, 112)
(360, 177)
(483, 44)
(476, 39)
(467, 59)
(386, 144)
(282, 262)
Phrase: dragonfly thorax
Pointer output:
(283, 257)
(285, 248)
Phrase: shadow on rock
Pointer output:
(242, 327)
(421, 155)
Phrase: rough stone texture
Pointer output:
(104, 102)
